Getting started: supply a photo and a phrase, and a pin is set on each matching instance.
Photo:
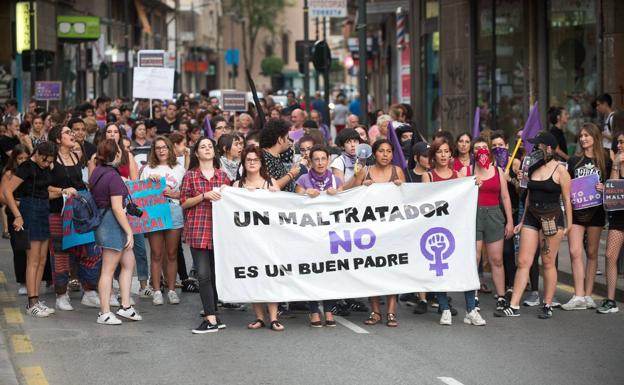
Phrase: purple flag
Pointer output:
(476, 128)
(207, 128)
(397, 156)
(532, 127)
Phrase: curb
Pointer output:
(7, 370)
(599, 288)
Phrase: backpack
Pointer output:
(86, 216)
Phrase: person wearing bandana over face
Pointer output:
(318, 179)
(542, 222)
(343, 167)
(491, 226)
(590, 159)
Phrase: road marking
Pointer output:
(34, 375)
(570, 289)
(21, 343)
(13, 315)
(6, 296)
(2, 277)
(350, 325)
(449, 381)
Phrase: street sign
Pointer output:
(234, 101)
(232, 56)
(328, 8)
(48, 90)
(151, 58)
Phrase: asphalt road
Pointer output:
(579, 347)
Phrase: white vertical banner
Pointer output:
(377, 240)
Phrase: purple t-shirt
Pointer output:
(306, 182)
(296, 134)
(109, 184)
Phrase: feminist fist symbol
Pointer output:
(437, 244)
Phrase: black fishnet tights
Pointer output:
(615, 239)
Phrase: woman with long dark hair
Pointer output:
(200, 187)
(462, 159)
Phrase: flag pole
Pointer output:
(513, 155)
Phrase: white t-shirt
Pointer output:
(173, 176)
(340, 114)
(339, 164)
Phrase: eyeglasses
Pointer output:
(161, 148)
(305, 149)
(252, 160)
(220, 127)
(68, 132)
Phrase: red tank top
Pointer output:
(458, 166)
(489, 192)
(437, 178)
(124, 171)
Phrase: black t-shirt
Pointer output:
(579, 166)
(561, 140)
(89, 149)
(36, 180)
(64, 177)
(7, 144)
(163, 127)
(412, 177)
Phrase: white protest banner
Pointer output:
(152, 83)
(376, 240)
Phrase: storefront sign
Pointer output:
(78, 28)
(22, 26)
(614, 195)
(328, 8)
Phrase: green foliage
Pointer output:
(336, 66)
(272, 65)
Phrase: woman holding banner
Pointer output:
(382, 171)
(255, 176)
(200, 187)
(615, 236)
(591, 159)
(492, 227)
(114, 234)
(542, 223)
(440, 158)
(67, 182)
(319, 178)
(162, 163)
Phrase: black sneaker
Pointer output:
(501, 303)
(508, 295)
(220, 325)
(205, 327)
(421, 308)
(545, 312)
(356, 306)
(410, 299)
(283, 312)
(507, 311)
(235, 306)
(190, 285)
(607, 306)
(340, 309)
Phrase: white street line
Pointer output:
(350, 325)
(449, 381)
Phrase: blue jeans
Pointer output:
(469, 296)
(140, 255)
(327, 305)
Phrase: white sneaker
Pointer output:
(590, 303)
(37, 311)
(108, 319)
(575, 303)
(146, 292)
(157, 298)
(63, 303)
(50, 310)
(447, 318)
(21, 290)
(129, 313)
(113, 301)
(474, 318)
(90, 298)
(173, 298)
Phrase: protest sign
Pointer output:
(368, 241)
(153, 83)
(524, 170)
(48, 90)
(234, 101)
(614, 195)
(583, 193)
(70, 237)
(148, 195)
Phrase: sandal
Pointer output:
(392, 321)
(276, 326)
(257, 324)
(315, 324)
(373, 319)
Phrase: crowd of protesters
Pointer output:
(197, 148)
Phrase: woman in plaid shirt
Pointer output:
(199, 189)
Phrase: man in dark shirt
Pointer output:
(168, 123)
(10, 140)
(558, 117)
(80, 134)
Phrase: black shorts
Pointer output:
(534, 223)
(593, 216)
(616, 220)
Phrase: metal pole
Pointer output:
(324, 29)
(316, 73)
(194, 49)
(362, 53)
(493, 74)
(126, 14)
(176, 79)
(306, 57)
(33, 58)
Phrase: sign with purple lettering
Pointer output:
(148, 195)
(614, 195)
(47, 90)
(583, 192)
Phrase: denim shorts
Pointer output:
(177, 216)
(35, 212)
(110, 235)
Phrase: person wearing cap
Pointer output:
(343, 166)
(418, 164)
(542, 223)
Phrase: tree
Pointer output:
(254, 16)
(272, 65)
